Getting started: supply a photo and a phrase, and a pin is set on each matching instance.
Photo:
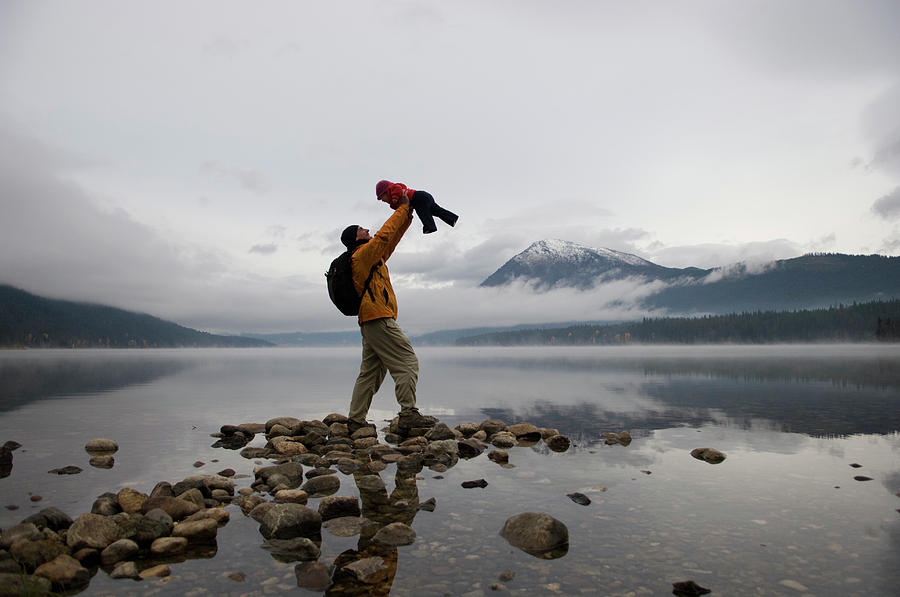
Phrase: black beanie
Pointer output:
(348, 236)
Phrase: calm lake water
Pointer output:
(782, 515)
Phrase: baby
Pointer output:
(421, 201)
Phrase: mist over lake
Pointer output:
(781, 515)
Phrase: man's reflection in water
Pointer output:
(381, 509)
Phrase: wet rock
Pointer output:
(579, 498)
(506, 576)
(143, 530)
(558, 443)
(862, 478)
(855, 465)
(348, 466)
(228, 472)
(220, 515)
(428, 505)
(197, 531)
(131, 500)
(291, 496)
(16, 583)
(318, 472)
(440, 432)
(371, 570)
(710, 455)
(492, 426)
(497, 587)
(286, 422)
(623, 438)
(158, 571)
(64, 572)
(50, 518)
(364, 432)
(345, 526)
(525, 430)
(289, 474)
(470, 448)
(166, 546)
(298, 549)
(286, 446)
(6, 461)
(337, 429)
(195, 496)
(236, 576)
(66, 470)
(468, 429)
(32, 554)
(260, 511)
(503, 439)
(88, 557)
(338, 506)
(104, 461)
(253, 453)
(321, 486)
(199, 463)
(101, 444)
(91, 530)
(335, 418)
(162, 489)
(537, 533)
(688, 588)
(395, 534)
(499, 456)
(286, 521)
(248, 502)
(205, 484)
(476, 483)
(125, 570)
(313, 576)
(370, 483)
(118, 551)
(177, 508)
(547, 432)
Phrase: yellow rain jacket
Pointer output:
(379, 300)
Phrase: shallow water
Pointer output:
(782, 515)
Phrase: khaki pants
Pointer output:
(384, 348)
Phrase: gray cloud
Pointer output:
(266, 249)
(888, 207)
(248, 179)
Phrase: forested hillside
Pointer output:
(867, 322)
(27, 320)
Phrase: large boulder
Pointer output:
(92, 530)
(538, 534)
(286, 521)
(64, 572)
(22, 531)
(50, 518)
(32, 554)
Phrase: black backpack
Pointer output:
(341, 290)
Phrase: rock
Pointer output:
(102, 461)
(499, 456)
(318, 472)
(337, 506)
(248, 502)
(220, 515)
(335, 418)
(66, 470)
(370, 483)
(252, 429)
(197, 531)
(313, 576)
(130, 500)
(624, 438)
(287, 422)
(118, 551)
(64, 572)
(688, 588)
(338, 429)
(467, 429)
(348, 466)
(165, 546)
(106, 505)
(503, 439)
(162, 489)
(579, 498)
(125, 570)
(32, 554)
(506, 576)
(345, 526)
(92, 530)
(395, 534)
(492, 426)
(428, 505)
(205, 484)
(228, 472)
(236, 576)
(158, 571)
(321, 486)
(497, 587)
(371, 570)
(470, 448)
(793, 584)
(440, 432)
(101, 444)
(364, 432)
(525, 430)
(253, 453)
(558, 443)
(290, 474)
(286, 521)
(50, 518)
(291, 496)
(6, 462)
(298, 549)
(161, 518)
(862, 478)
(855, 465)
(477, 483)
(199, 463)
(537, 534)
(195, 496)
(16, 583)
(286, 446)
(710, 455)
(88, 557)
(177, 508)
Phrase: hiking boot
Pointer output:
(354, 426)
(413, 419)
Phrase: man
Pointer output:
(384, 345)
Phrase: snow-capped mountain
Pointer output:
(553, 263)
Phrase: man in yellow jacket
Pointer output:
(384, 345)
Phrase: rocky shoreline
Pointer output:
(134, 535)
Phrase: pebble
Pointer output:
(793, 584)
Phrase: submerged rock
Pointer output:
(286, 521)
(579, 498)
(537, 534)
(688, 588)
(710, 455)
(313, 576)
(476, 483)
(66, 470)
(395, 534)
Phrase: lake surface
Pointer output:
(782, 515)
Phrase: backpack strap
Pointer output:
(369, 280)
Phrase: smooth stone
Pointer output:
(345, 526)
(370, 483)
(158, 571)
(117, 551)
(286, 521)
(195, 496)
(131, 500)
(710, 455)
(492, 426)
(125, 570)
(526, 430)
(197, 531)
(499, 456)
(558, 443)
(104, 461)
(469, 448)
(64, 572)
(220, 515)
(101, 444)
(297, 549)
(440, 432)
(259, 512)
(106, 505)
(321, 486)
(504, 439)
(169, 546)
(370, 570)
(291, 472)
(91, 530)
(395, 534)
(291, 496)
(205, 484)
(313, 576)
(177, 508)
(579, 498)
(50, 518)
(537, 534)
(476, 483)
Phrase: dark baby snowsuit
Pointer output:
(421, 201)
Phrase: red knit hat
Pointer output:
(381, 187)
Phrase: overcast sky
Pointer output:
(197, 160)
